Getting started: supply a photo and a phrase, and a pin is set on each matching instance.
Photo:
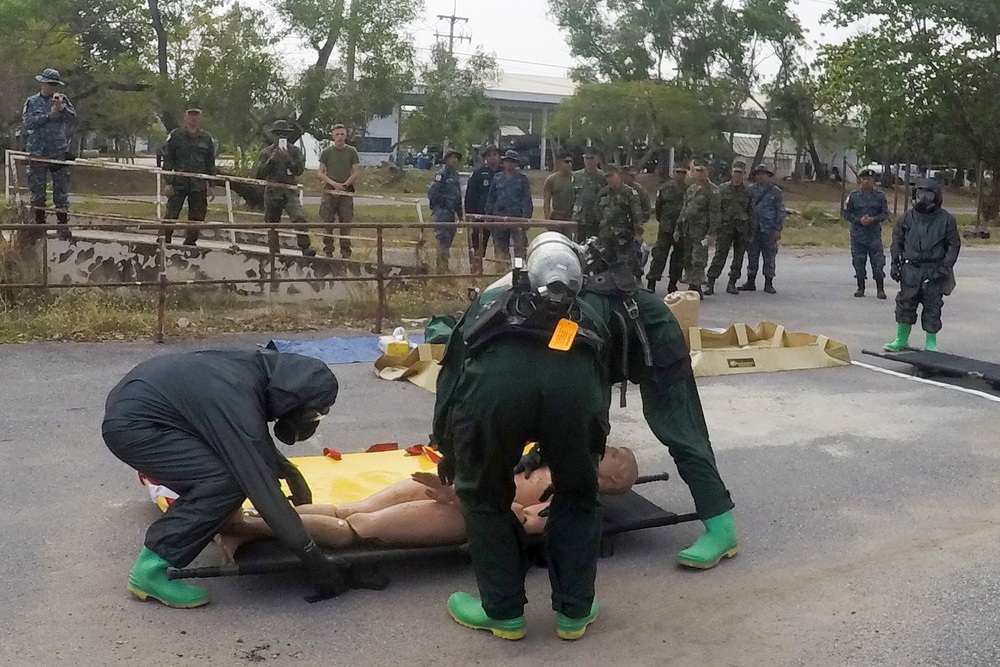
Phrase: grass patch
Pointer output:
(89, 315)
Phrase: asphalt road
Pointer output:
(867, 505)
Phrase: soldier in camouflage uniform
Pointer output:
(445, 198)
(621, 217)
(629, 174)
(283, 165)
(734, 232)
(510, 197)
(189, 149)
(698, 225)
(587, 183)
(47, 116)
(669, 201)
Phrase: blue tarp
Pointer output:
(349, 350)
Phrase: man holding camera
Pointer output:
(282, 163)
(47, 116)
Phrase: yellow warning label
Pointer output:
(564, 335)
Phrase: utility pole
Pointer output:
(452, 21)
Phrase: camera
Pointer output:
(59, 97)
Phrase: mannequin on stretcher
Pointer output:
(421, 511)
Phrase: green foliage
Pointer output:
(455, 112)
(923, 76)
(635, 118)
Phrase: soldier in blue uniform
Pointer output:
(866, 209)
(445, 195)
(769, 212)
(476, 193)
(510, 196)
(47, 116)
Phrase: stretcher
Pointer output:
(938, 364)
(336, 478)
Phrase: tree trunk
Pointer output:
(765, 136)
(820, 170)
(167, 116)
(991, 205)
(352, 42)
(315, 78)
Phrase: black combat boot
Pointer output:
(62, 218)
(671, 287)
(651, 285)
(769, 286)
(710, 288)
(880, 288)
(697, 288)
(731, 288)
(305, 246)
(861, 288)
(750, 285)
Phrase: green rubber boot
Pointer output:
(931, 344)
(902, 338)
(718, 542)
(574, 628)
(148, 579)
(468, 612)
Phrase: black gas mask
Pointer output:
(298, 425)
(925, 201)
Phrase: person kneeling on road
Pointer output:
(198, 424)
(925, 247)
(526, 363)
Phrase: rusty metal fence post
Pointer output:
(380, 278)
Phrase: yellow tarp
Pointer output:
(356, 476)
(764, 348)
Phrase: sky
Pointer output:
(524, 39)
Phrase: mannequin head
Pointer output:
(617, 471)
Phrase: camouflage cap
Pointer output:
(511, 156)
(612, 169)
(489, 149)
(739, 165)
(763, 168)
(281, 127)
(699, 162)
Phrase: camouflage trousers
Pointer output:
(38, 179)
(695, 260)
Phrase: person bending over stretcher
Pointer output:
(198, 424)
(423, 512)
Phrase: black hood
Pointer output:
(297, 382)
(935, 187)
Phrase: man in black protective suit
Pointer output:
(925, 247)
(198, 423)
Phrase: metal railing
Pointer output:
(272, 279)
(267, 281)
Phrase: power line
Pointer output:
(452, 21)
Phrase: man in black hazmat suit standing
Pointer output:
(925, 247)
(198, 424)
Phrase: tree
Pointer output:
(234, 74)
(922, 71)
(705, 45)
(634, 119)
(795, 105)
(376, 64)
(455, 111)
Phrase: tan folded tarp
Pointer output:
(686, 307)
(762, 349)
(420, 366)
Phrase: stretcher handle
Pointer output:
(659, 477)
(236, 569)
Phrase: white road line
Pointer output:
(934, 383)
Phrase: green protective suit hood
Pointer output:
(297, 384)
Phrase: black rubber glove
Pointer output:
(529, 463)
(896, 272)
(940, 274)
(301, 493)
(446, 471)
(327, 573)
